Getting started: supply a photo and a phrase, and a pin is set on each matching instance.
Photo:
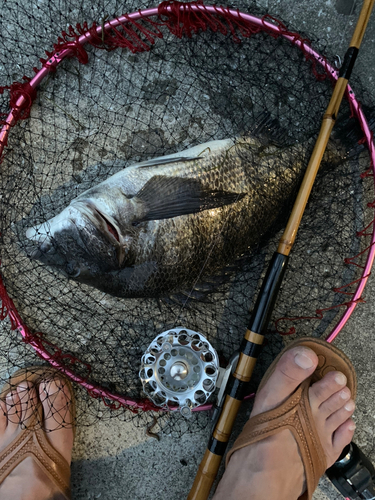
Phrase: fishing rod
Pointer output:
(261, 315)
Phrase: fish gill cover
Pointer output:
(195, 251)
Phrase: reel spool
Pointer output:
(179, 370)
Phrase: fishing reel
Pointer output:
(179, 369)
(353, 474)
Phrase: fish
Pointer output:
(160, 226)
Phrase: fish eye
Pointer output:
(72, 270)
(46, 246)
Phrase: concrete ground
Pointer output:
(115, 460)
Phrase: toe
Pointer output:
(335, 402)
(13, 408)
(340, 416)
(3, 416)
(57, 402)
(58, 416)
(294, 366)
(28, 400)
(342, 436)
(322, 390)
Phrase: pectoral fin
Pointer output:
(166, 197)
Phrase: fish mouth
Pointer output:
(106, 225)
(103, 222)
(111, 228)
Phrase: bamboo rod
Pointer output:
(289, 236)
(362, 22)
(267, 296)
(329, 119)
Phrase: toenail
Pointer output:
(303, 360)
(349, 406)
(340, 379)
(58, 383)
(344, 395)
(24, 386)
(352, 426)
(10, 397)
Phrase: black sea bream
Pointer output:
(157, 227)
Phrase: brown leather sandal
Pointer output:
(295, 413)
(32, 441)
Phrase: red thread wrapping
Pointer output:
(8, 309)
(340, 288)
(17, 90)
(182, 20)
(54, 352)
(108, 403)
(363, 231)
(7, 306)
(296, 37)
(350, 260)
(319, 315)
(124, 36)
(353, 109)
(368, 173)
(112, 405)
(319, 312)
(19, 112)
(147, 405)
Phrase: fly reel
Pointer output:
(179, 369)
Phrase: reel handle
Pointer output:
(353, 474)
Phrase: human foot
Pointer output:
(272, 467)
(32, 414)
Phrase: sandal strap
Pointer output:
(34, 443)
(294, 414)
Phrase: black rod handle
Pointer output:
(267, 296)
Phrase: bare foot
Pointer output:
(28, 481)
(272, 468)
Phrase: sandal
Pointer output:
(295, 413)
(32, 441)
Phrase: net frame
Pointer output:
(188, 19)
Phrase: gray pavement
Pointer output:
(114, 460)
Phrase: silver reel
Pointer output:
(179, 369)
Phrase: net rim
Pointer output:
(8, 307)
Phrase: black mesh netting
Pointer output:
(200, 268)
